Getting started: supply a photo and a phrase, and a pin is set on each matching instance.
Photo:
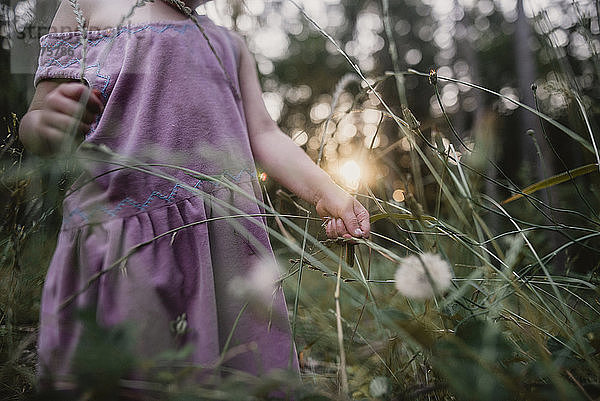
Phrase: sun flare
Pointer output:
(350, 174)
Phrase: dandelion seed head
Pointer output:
(258, 284)
(413, 281)
(378, 386)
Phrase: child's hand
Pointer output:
(347, 217)
(45, 127)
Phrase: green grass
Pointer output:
(514, 324)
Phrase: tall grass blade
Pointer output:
(554, 180)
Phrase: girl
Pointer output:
(152, 234)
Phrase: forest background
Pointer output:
(469, 129)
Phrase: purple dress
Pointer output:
(174, 116)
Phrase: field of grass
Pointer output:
(459, 293)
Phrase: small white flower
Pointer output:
(378, 386)
(413, 281)
(258, 284)
(179, 325)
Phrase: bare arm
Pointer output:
(290, 165)
(56, 103)
(53, 113)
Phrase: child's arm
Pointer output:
(290, 165)
(52, 112)
(55, 104)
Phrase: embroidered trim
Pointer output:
(97, 66)
(104, 37)
(93, 43)
(109, 34)
(103, 89)
(129, 203)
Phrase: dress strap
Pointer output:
(180, 5)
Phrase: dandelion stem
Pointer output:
(340, 333)
(298, 286)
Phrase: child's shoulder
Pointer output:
(98, 14)
(238, 41)
(64, 19)
(103, 14)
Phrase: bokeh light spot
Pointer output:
(398, 195)
(350, 173)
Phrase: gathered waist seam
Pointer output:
(77, 217)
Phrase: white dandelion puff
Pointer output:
(378, 386)
(423, 276)
(258, 285)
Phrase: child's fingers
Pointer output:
(362, 216)
(335, 228)
(330, 228)
(96, 101)
(50, 140)
(64, 122)
(70, 107)
(339, 227)
(352, 225)
(72, 90)
(75, 91)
